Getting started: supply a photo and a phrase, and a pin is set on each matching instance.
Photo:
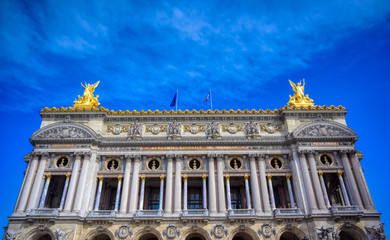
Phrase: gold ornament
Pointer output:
(88, 100)
(299, 98)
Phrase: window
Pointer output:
(154, 198)
(195, 198)
(235, 194)
(54, 192)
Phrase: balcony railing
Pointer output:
(195, 213)
(241, 212)
(286, 212)
(345, 210)
(43, 212)
(148, 213)
(102, 214)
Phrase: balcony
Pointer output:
(195, 214)
(148, 214)
(346, 211)
(43, 213)
(241, 213)
(102, 214)
(288, 212)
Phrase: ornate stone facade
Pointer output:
(287, 174)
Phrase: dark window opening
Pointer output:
(333, 189)
(152, 194)
(108, 194)
(54, 192)
(195, 198)
(238, 193)
(281, 195)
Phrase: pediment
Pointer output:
(323, 129)
(64, 131)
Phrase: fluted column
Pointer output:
(178, 184)
(221, 189)
(351, 179)
(43, 197)
(142, 194)
(72, 185)
(81, 184)
(118, 193)
(28, 184)
(126, 185)
(324, 189)
(360, 181)
(229, 199)
(98, 194)
(37, 182)
(254, 186)
(343, 189)
(316, 181)
(271, 192)
(64, 192)
(290, 191)
(134, 185)
(160, 204)
(309, 187)
(298, 183)
(168, 187)
(204, 195)
(185, 193)
(263, 183)
(212, 189)
(248, 195)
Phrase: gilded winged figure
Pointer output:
(88, 99)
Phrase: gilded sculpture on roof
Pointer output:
(299, 98)
(88, 100)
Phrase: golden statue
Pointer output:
(299, 98)
(88, 100)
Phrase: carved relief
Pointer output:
(174, 130)
(61, 235)
(117, 129)
(155, 128)
(252, 130)
(213, 130)
(123, 232)
(65, 132)
(266, 230)
(232, 128)
(171, 232)
(377, 232)
(271, 128)
(323, 130)
(194, 129)
(327, 234)
(135, 131)
(219, 231)
(11, 235)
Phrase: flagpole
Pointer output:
(177, 98)
(211, 101)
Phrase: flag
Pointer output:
(173, 103)
(208, 96)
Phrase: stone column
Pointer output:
(90, 183)
(185, 193)
(248, 196)
(98, 194)
(351, 179)
(118, 193)
(316, 182)
(324, 189)
(360, 181)
(298, 184)
(221, 189)
(263, 183)
(229, 199)
(134, 185)
(290, 191)
(309, 187)
(345, 195)
(43, 197)
(204, 197)
(28, 184)
(142, 194)
(178, 184)
(271, 192)
(37, 182)
(126, 185)
(64, 192)
(212, 188)
(160, 205)
(254, 186)
(81, 184)
(168, 187)
(72, 184)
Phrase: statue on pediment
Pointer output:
(88, 100)
(299, 98)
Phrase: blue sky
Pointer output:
(244, 51)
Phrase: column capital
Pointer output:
(88, 154)
(220, 157)
(269, 177)
(204, 177)
(143, 178)
(120, 179)
(45, 154)
(321, 173)
(346, 151)
(170, 157)
(128, 156)
(288, 176)
(48, 176)
(178, 157)
(340, 173)
(100, 179)
(246, 177)
(310, 153)
(162, 178)
(137, 157)
(211, 156)
(252, 156)
(78, 154)
(185, 177)
(227, 177)
(67, 176)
